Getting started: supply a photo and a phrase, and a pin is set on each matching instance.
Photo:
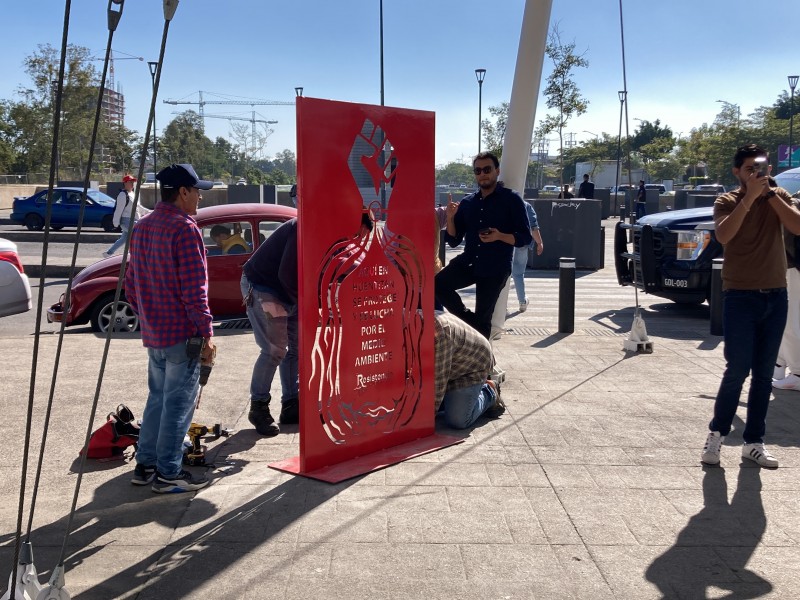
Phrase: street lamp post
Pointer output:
(621, 95)
(792, 85)
(479, 75)
(153, 70)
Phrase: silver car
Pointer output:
(15, 290)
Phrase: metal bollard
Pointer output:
(715, 301)
(622, 212)
(566, 295)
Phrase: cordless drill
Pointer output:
(196, 457)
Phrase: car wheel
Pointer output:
(108, 223)
(34, 222)
(103, 315)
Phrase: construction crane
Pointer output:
(110, 84)
(252, 120)
(251, 102)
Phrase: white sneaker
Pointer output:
(523, 306)
(711, 449)
(495, 334)
(758, 453)
(779, 372)
(107, 255)
(791, 382)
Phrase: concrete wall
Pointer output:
(7, 193)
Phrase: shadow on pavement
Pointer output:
(717, 543)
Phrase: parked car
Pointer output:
(92, 299)
(789, 180)
(550, 188)
(656, 186)
(672, 252)
(15, 290)
(710, 187)
(31, 211)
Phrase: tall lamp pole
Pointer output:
(153, 70)
(479, 75)
(621, 95)
(792, 85)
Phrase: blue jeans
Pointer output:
(752, 323)
(518, 266)
(173, 380)
(277, 339)
(464, 406)
(125, 224)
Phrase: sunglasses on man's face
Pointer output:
(484, 170)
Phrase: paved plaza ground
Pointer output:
(589, 487)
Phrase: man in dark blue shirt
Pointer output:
(269, 289)
(493, 220)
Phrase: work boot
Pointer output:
(290, 412)
(261, 419)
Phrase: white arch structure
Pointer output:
(522, 112)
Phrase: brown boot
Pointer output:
(261, 419)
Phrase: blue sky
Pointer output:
(682, 56)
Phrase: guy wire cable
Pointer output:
(57, 578)
(113, 21)
(40, 301)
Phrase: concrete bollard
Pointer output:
(566, 295)
(622, 213)
(715, 301)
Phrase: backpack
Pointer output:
(118, 432)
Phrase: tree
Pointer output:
(183, 141)
(250, 141)
(30, 121)
(561, 91)
(783, 106)
(454, 173)
(494, 132)
(592, 151)
(7, 153)
(652, 142)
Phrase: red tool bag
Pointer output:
(118, 432)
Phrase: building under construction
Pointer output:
(113, 109)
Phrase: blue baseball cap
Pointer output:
(175, 176)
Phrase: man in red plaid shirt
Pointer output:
(167, 286)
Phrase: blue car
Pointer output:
(31, 211)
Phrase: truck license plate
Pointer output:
(678, 283)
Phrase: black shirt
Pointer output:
(504, 210)
(273, 266)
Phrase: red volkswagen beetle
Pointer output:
(93, 288)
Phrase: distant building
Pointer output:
(113, 109)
